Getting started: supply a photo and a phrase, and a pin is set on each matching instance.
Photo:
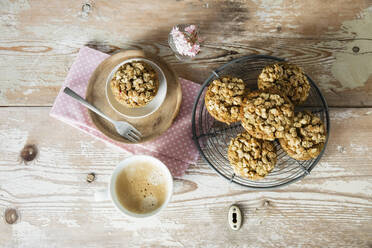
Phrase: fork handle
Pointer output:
(82, 101)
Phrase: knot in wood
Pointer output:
(266, 203)
(29, 153)
(10, 216)
(86, 8)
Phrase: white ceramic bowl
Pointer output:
(149, 108)
(133, 160)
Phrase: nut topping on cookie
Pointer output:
(287, 78)
(224, 98)
(265, 115)
(134, 84)
(305, 139)
(250, 157)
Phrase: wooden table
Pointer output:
(331, 40)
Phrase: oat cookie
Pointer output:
(286, 78)
(134, 84)
(224, 97)
(305, 139)
(266, 115)
(250, 157)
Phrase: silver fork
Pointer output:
(123, 128)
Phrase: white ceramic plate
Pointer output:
(149, 108)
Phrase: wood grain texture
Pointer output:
(53, 202)
(40, 40)
(330, 208)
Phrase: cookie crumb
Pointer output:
(91, 177)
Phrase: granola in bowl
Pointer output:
(286, 78)
(134, 84)
(224, 98)
(250, 157)
(266, 115)
(306, 137)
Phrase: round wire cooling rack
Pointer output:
(212, 137)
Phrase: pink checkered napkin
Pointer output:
(175, 147)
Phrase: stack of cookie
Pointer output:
(266, 115)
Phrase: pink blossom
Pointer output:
(186, 43)
(190, 29)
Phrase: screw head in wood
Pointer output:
(356, 49)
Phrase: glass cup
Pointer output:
(193, 38)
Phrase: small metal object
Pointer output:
(216, 74)
(232, 178)
(123, 128)
(356, 49)
(235, 217)
(91, 177)
(303, 168)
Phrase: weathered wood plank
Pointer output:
(37, 47)
(332, 207)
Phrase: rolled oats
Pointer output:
(305, 139)
(266, 115)
(224, 98)
(134, 84)
(250, 157)
(286, 78)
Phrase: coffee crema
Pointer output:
(141, 187)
